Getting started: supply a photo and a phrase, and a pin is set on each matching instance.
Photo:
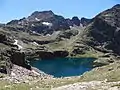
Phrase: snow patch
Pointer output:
(33, 25)
(37, 19)
(34, 32)
(13, 74)
(16, 43)
(47, 23)
(35, 43)
(81, 25)
(35, 72)
(48, 35)
(70, 26)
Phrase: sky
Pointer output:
(16, 9)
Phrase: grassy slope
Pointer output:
(109, 72)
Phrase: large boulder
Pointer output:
(18, 58)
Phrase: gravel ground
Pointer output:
(20, 75)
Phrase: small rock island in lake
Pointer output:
(49, 51)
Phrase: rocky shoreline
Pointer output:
(23, 75)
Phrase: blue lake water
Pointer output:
(64, 67)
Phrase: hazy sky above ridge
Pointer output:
(16, 9)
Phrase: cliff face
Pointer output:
(104, 31)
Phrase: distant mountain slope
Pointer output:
(46, 22)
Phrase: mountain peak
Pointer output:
(40, 15)
(42, 12)
(111, 16)
(116, 6)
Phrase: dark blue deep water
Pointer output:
(64, 67)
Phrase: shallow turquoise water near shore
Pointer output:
(64, 67)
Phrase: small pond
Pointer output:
(64, 67)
